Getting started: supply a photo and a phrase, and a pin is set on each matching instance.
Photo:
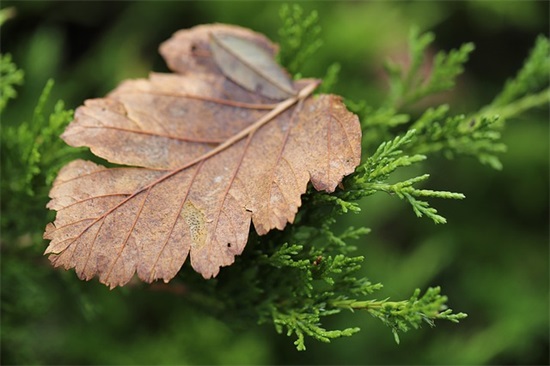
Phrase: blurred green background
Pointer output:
(491, 258)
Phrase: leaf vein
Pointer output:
(130, 231)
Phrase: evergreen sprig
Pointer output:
(10, 76)
(373, 174)
(300, 38)
(408, 86)
(294, 297)
(530, 88)
(478, 135)
(31, 155)
(310, 284)
(402, 316)
(458, 135)
(36, 146)
(306, 324)
(533, 77)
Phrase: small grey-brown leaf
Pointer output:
(250, 66)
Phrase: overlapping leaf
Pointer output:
(224, 141)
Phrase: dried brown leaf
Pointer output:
(206, 157)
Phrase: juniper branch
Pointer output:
(478, 134)
(11, 76)
(299, 37)
(372, 176)
(531, 78)
(409, 86)
(401, 316)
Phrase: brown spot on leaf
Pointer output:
(196, 221)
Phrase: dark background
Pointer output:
(491, 258)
